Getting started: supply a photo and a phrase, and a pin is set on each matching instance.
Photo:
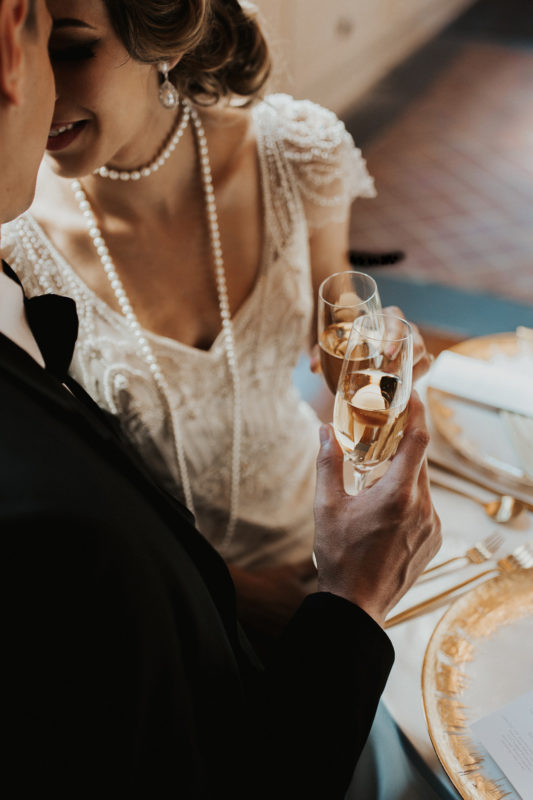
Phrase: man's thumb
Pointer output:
(329, 464)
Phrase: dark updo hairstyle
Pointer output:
(223, 51)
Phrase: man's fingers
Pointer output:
(422, 366)
(393, 311)
(419, 345)
(421, 358)
(411, 453)
(330, 478)
(314, 361)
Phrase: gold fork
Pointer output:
(480, 552)
(521, 558)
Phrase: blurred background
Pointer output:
(439, 96)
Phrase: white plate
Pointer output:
(478, 659)
(496, 442)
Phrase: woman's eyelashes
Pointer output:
(72, 52)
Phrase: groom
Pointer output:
(127, 672)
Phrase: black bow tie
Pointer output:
(54, 323)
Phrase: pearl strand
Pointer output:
(144, 349)
(159, 160)
(225, 315)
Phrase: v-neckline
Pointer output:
(168, 341)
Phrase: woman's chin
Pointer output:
(65, 167)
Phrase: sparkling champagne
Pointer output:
(332, 345)
(368, 423)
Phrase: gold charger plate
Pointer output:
(486, 438)
(478, 659)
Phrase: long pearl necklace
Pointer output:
(158, 162)
(145, 350)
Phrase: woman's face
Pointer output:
(107, 108)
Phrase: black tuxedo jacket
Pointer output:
(127, 672)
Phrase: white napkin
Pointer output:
(520, 433)
(442, 454)
(491, 384)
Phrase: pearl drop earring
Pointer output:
(168, 95)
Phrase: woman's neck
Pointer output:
(154, 195)
(159, 196)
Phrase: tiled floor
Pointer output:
(448, 137)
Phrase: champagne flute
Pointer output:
(342, 298)
(373, 392)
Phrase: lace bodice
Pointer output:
(310, 173)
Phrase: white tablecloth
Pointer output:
(464, 523)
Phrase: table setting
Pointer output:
(463, 659)
(461, 688)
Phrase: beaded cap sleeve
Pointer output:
(311, 155)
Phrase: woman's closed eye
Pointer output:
(73, 52)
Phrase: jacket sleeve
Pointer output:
(104, 680)
(323, 691)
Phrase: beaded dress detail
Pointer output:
(310, 172)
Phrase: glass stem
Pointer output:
(359, 477)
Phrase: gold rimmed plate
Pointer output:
(499, 443)
(479, 658)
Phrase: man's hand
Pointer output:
(370, 548)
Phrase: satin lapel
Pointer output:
(27, 372)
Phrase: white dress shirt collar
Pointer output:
(13, 322)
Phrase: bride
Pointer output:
(193, 230)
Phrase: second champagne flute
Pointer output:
(373, 392)
(342, 298)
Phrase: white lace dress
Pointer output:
(310, 173)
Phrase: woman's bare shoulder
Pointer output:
(230, 134)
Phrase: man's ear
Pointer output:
(12, 21)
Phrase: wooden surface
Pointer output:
(437, 341)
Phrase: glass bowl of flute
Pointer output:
(342, 298)
(373, 391)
